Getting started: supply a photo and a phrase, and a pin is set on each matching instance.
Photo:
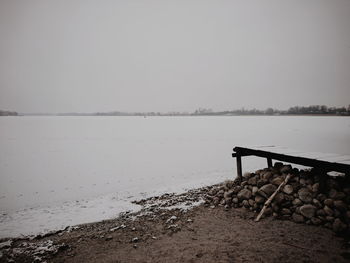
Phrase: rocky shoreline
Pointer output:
(193, 226)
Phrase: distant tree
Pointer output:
(269, 111)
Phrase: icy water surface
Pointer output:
(58, 171)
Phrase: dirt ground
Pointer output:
(203, 234)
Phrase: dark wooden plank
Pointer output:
(324, 165)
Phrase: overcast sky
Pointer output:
(86, 56)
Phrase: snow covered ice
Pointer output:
(60, 171)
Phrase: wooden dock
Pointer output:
(324, 162)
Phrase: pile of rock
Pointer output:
(306, 198)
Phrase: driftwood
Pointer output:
(268, 202)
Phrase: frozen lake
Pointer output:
(59, 171)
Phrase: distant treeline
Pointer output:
(8, 113)
(296, 110)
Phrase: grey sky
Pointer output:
(83, 56)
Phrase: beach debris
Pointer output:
(171, 219)
(108, 238)
(122, 226)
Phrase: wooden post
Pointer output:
(269, 162)
(323, 179)
(239, 167)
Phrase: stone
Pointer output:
(328, 225)
(322, 218)
(220, 193)
(289, 197)
(245, 203)
(305, 195)
(228, 200)
(251, 202)
(316, 221)
(309, 182)
(247, 175)
(268, 211)
(340, 205)
(340, 196)
(268, 189)
(213, 191)
(259, 199)
(253, 180)
(236, 189)
(108, 238)
(297, 202)
(228, 194)
(328, 202)
(278, 165)
(320, 212)
(332, 193)
(277, 181)
(286, 217)
(254, 190)
(328, 210)
(286, 169)
(216, 200)
(338, 226)
(235, 200)
(336, 213)
(267, 175)
(298, 218)
(288, 189)
(279, 198)
(316, 203)
(330, 218)
(302, 181)
(244, 194)
(315, 187)
(285, 211)
(308, 210)
(275, 207)
(321, 197)
(262, 182)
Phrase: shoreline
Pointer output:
(182, 228)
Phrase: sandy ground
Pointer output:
(203, 234)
